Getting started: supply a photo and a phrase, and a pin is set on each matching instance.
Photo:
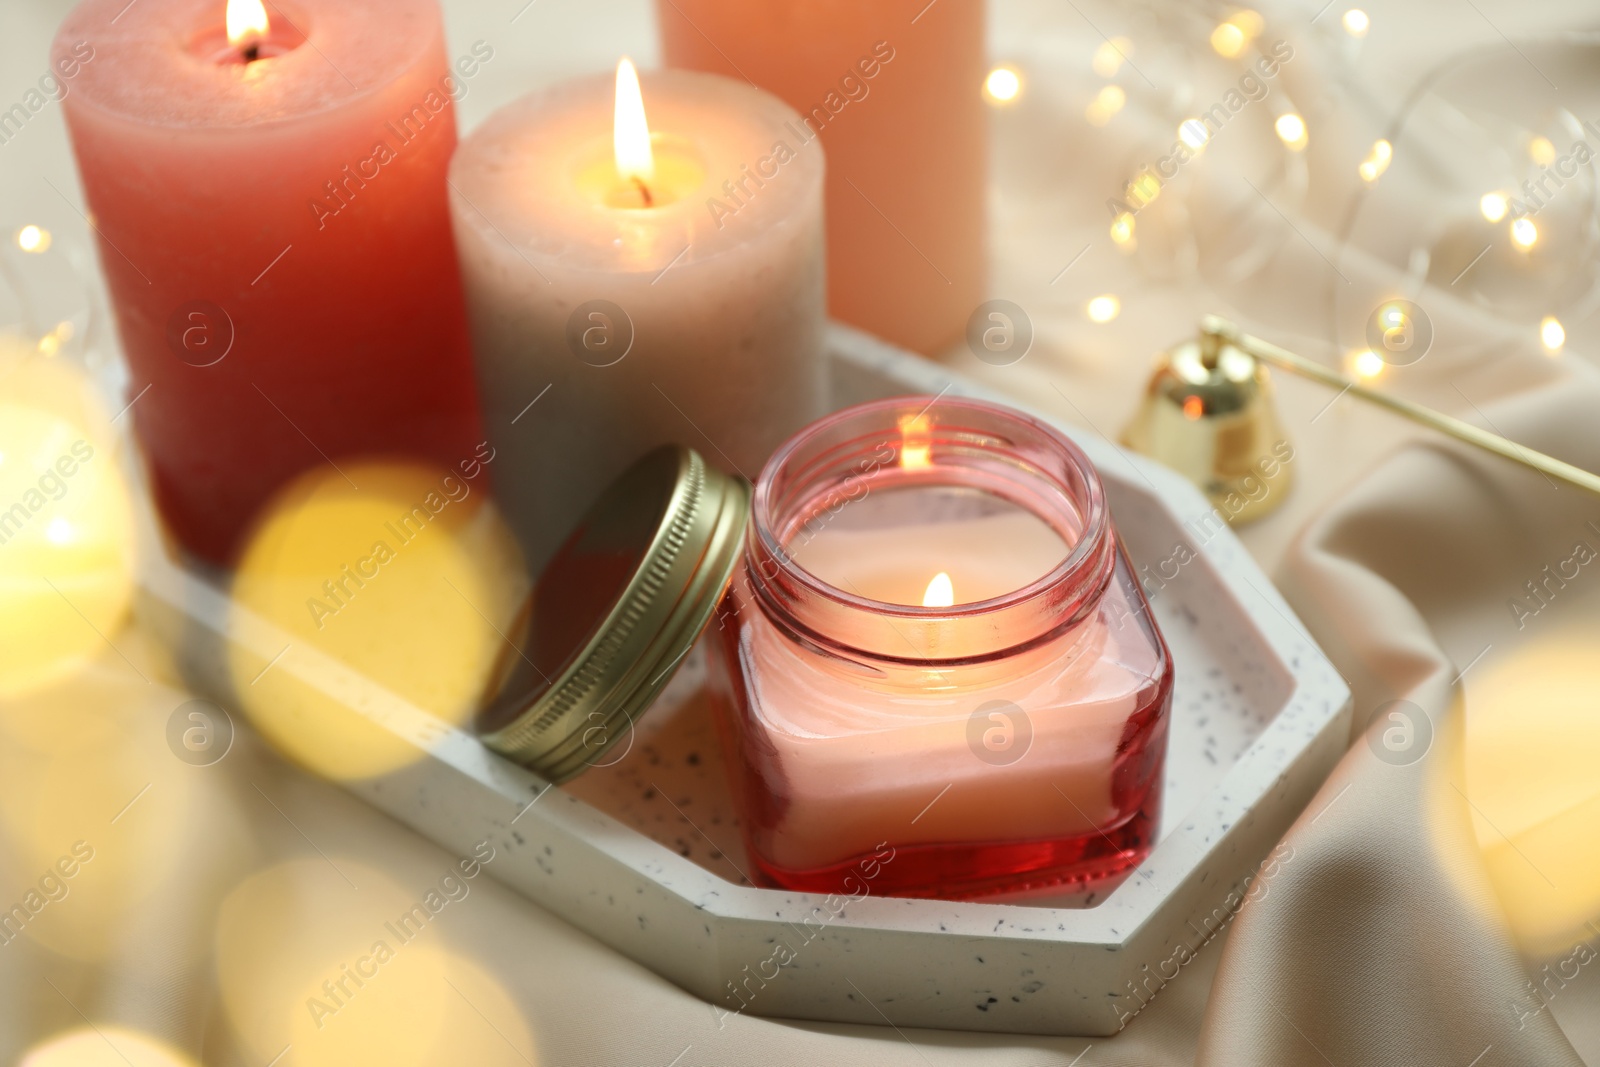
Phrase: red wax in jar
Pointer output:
(276, 240)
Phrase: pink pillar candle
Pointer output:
(274, 232)
(893, 88)
(936, 645)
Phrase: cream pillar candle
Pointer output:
(610, 310)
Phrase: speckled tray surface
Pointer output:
(645, 854)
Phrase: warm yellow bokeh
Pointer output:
(103, 1045)
(1533, 745)
(55, 384)
(96, 814)
(305, 961)
(66, 545)
(412, 581)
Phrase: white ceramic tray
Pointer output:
(645, 854)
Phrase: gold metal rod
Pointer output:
(1214, 326)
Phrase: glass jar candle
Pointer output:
(935, 651)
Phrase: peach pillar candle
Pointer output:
(893, 88)
(272, 226)
(936, 644)
(611, 314)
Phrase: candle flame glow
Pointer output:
(247, 22)
(941, 593)
(916, 451)
(630, 136)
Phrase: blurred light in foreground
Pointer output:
(1524, 234)
(1541, 151)
(352, 977)
(1109, 56)
(412, 582)
(103, 1045)
(1377, 161)
(1003, 85)
(33, 239)
(1552, 334)
(1193, 133)
(1106, 103)
(1532, 741)
(1291, 130)
(1356, 22)
(1494, 206)
(1104, 308)
(66, 547)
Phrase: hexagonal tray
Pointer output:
(645, 855)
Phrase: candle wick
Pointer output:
(644, 191)
(252, 52)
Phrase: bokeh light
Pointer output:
(103, 1045)
(1106, 103)
(1110, 55)
(66, 547)
(1291, 130)
(1356, 23)
(33, 239)
(1552, 334)
(1493, 206)
(1366, 364)
(1103, 308)
(411, 583)
(1003, 85)
(1524, 234)
(1193, 133)
(1377, 161)
(1531, 745)
(336, 959)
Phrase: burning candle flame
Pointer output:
(630, 136)
(247, 22)
(941, 593)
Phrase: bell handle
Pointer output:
(1216, 329)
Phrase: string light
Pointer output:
(1377, 161)
(1003, 85)
(1366, 363)
(1552, 334)
(1230, 37)
(1524, 234)
(1291, 130)
(1106, 103)
(1541, 151)
(1356, 22)
(1193, 133)
(1122, 229)
(1228, 40)
(1493, 206)
(33, 239)
(1109, 56)
(1103, 309)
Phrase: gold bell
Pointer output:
(1208, 414)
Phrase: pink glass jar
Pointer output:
(935, 652)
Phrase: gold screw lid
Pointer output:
(616, 611)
